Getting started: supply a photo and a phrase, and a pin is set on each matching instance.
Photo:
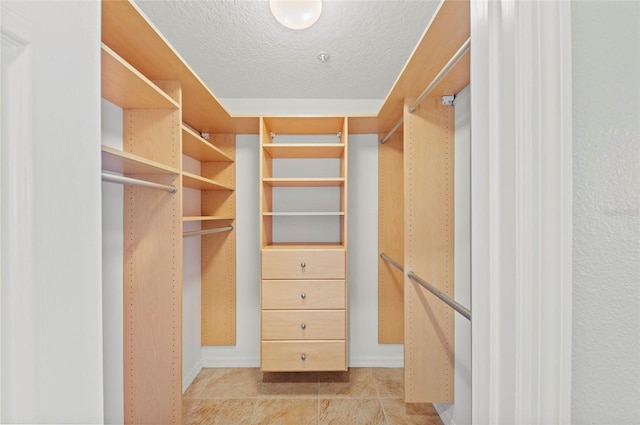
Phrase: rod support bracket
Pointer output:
(448, 100)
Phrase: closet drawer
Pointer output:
(303, 264)
(278, 356)
(303, 294)
(303, 324)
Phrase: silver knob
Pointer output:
(303, 265)
(303, 357)
(303, 295)
(303, 326)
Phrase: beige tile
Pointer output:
(389, 382)
(289, 384)
(400, 413)
(289, 411)
(351, 411)
(355, 383)
(218, 411)
(225, 383)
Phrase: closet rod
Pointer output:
(207, 231)
(452, 303)
(386, 258)
(115, 178)
(443, 73)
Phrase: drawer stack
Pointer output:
(303, 310)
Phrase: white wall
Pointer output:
(606, 288)
(112, 272)
(54, 333)
(459, 412)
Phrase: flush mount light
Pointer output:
(296, 14)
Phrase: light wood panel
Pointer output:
(152, 282)
(127, 163)
(300, 150)
(429, 244)
(304, 182)
(390, 241)
(195, 181)
(127, 31)
(196, 147)
(318, 355)
(303, 294)
(303, 213)
(218, 307)
(304, 125)
(124, 86)
(303, 324)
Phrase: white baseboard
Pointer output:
(376, 361)
(445, 416)
(189, 377)
(225, 361)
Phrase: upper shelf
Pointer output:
(124, 86)
(127, 163)
(198, 148)
(303, 182)
(126, 30)
(302, 150)
(195, 181)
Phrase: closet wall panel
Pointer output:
(390, 241)
(429, 243)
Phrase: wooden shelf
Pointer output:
(305, 213)
(301, 150)
(124, 86)
(206, 218)
(309, 245)
(303, 182)
(126, 30)
(118, 161)
(198, 148)
(194, 181)
(305, 125)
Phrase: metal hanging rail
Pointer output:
(435, 291)
(443, 73)
(115, 178)
(384, 257)
(207, 231)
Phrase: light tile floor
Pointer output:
(361, 396)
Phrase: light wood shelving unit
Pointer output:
(304, 290)
(166, 109)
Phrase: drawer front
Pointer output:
(303, 324)
(303, 294)
(303, 264)
(278, 356)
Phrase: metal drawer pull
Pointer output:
(303, 357)
(303, 265)
(303, 326)
(303, 295)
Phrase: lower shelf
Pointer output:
(307, 356)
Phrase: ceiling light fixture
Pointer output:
(296, 14)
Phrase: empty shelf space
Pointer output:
(301, 150)
(198, 148)
(118, 161)
(303, 182)
(206, 218)
(304, 213)
(124, 86)
(194, 181)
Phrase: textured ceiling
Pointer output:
(240, 51)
